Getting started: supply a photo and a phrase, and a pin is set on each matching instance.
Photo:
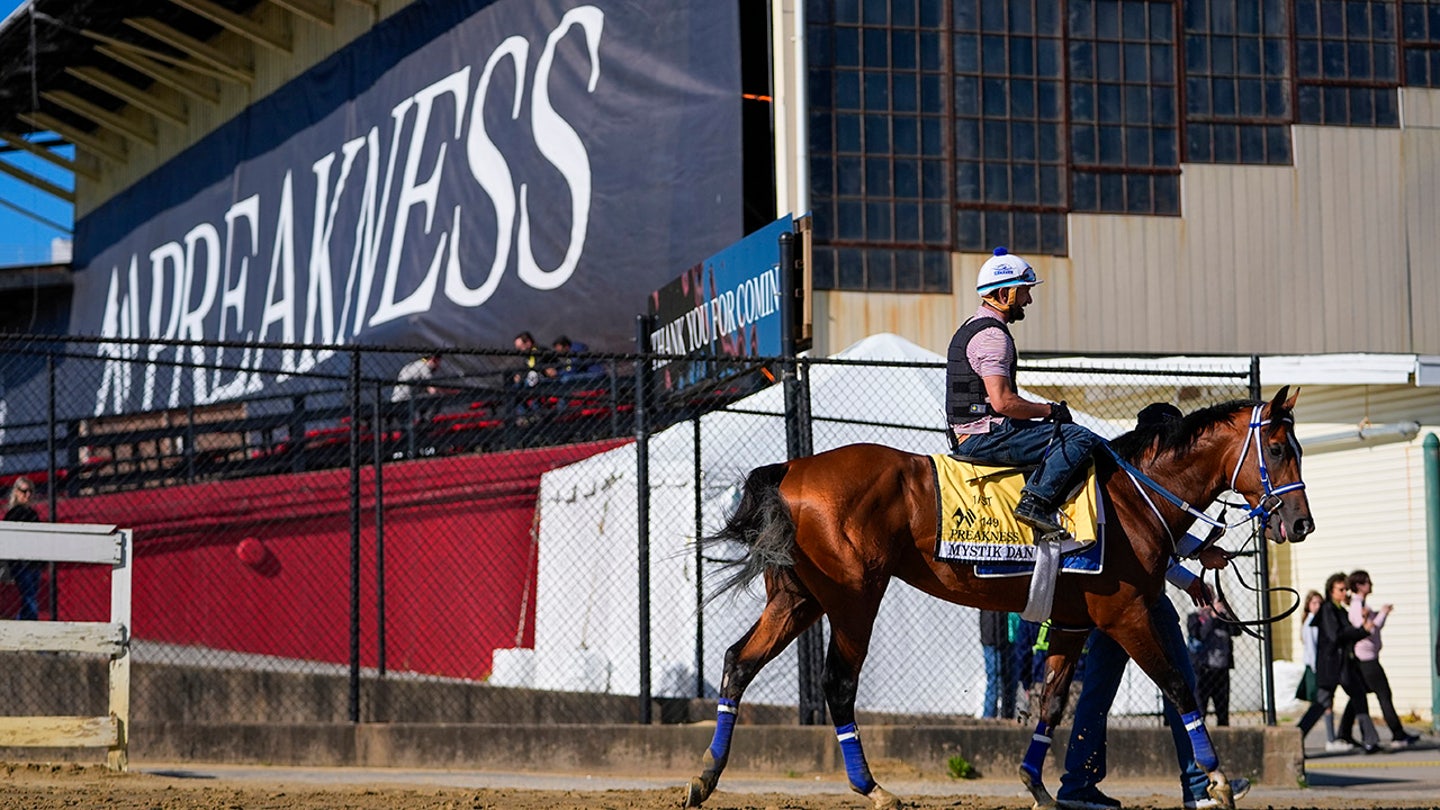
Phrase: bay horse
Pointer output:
(828, 533)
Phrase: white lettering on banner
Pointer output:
(492, 173)
(412, 194)
(192, 322)
(169, 253)
(233, 291)
(561, 145)
(207, 278)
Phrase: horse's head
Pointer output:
(1267, 469)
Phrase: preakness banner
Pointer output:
(465, 171)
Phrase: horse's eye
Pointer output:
(1277, 451)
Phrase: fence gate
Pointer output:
(75, 543)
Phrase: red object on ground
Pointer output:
(251, 552)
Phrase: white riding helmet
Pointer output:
(1002, 270)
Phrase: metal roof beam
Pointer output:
(37, 181)
(102, 116)
(45, 154)
(238, 23)
(316, 11)
(206, 53)
(184, 83)
(130, 94)
(83, 140)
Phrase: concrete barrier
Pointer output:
(191, 714)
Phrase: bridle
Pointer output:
(1265, 504)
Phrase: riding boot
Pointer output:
(1037, 514)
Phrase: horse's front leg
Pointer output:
(1064, 646)
(1143, 643)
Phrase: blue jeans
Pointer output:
(27, 581)
(999, 682)
(1104, 667)
(1019, 443)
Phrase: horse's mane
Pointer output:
(1176, 435)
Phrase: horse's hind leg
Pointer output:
(1065, 644)
(790, 609)
(1141, 640)
(850, 628)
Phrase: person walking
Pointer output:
(1334, 638)
(1212, 655)
(1305, 690)
(1367, 661)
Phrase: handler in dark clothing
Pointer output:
(1212, 655)
(1334, 638)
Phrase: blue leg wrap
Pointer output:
(1034, 761)
(855, 767)
(724, 727)
(1200, 740)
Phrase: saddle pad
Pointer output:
(975, 521)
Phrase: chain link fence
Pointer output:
(322, 542)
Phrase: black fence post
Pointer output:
(642, 500)
(51, 473)
(811, 644)
(1262, 559)
(354, 392)
(699, 567)
(377, 431)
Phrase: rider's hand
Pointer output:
(1060, 413)
(1213, 558)
(1200, 593)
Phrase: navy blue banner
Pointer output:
(465, 171)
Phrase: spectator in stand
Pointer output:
(1334, 639)
(1367, 661)
(1212, 656)
(567, 367)
(528, 373)
(995, 640)
(413, 374)
(26, 573)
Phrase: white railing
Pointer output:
(75, 543)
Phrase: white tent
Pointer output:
(586, 623)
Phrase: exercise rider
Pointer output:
(991, 422)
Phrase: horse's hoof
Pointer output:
(695, 792)
(1038, 791)
(884, 799)
(1220, 790)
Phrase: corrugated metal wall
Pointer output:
(1335, 253)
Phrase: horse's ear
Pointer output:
(1283, 402)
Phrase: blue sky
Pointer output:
(23, 240)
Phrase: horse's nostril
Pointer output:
(1304, 526)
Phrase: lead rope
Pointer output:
(1245, 624)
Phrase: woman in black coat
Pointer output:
(1333, 667)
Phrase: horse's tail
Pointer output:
(762, 523)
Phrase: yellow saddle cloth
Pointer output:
(975, 513)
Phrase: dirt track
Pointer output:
(57, 787)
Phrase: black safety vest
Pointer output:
(965, 399)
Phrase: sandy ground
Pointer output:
(1409, 783)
